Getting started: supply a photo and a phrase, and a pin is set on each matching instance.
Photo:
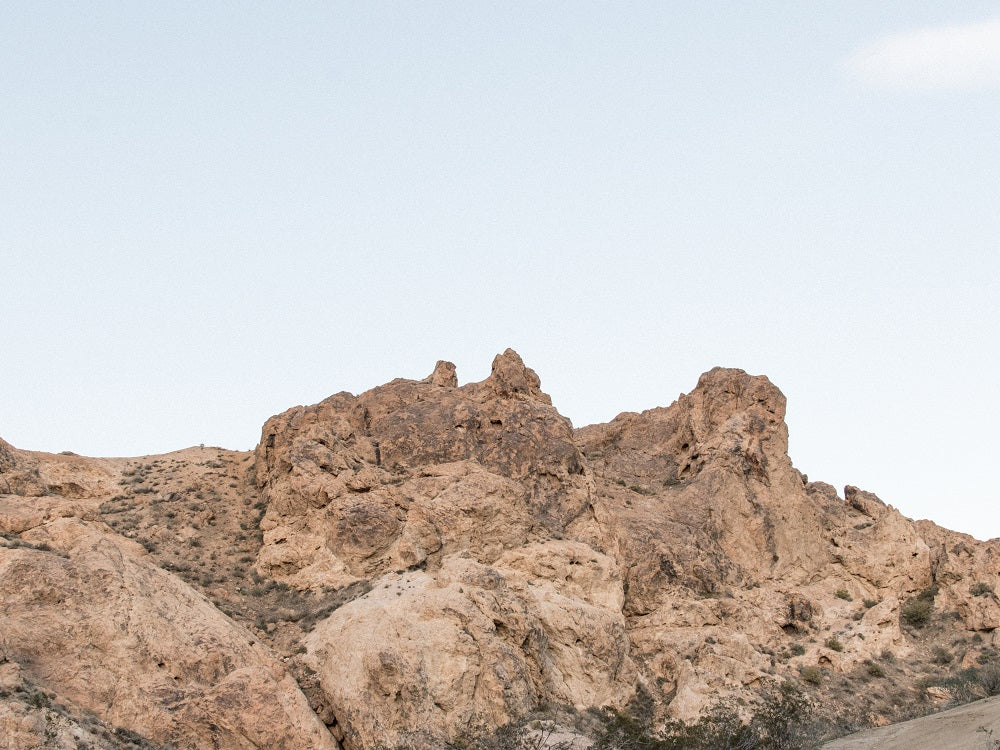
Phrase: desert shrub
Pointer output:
(521, 736)
(780, 721)
(869, 603)
(834, 645)
(843, 594)
(940, 655)
(981, 589)
(965, 686)
(812, 675)
(989, 678)
(875, 670)
(917, 611)
(39, 699)
(970, 684)
(988, 655)
(798, 649)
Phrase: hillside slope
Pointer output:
(425, 561)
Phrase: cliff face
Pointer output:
(424, 559)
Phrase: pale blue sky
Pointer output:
(214, 211)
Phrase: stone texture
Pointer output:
(88, 617)
(485, 465)
(439, 557)
(422, 656)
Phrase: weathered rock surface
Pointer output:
(425, 559)
(360, 486)
(422, 656)
(89, 618)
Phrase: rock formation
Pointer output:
(425, 560)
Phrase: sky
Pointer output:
(211, 212)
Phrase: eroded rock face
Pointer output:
(723, 553)
(714, 462)
(441, 557)
(405, 473)
(18, 474)
(35, 474)
(424, 656)
(88, 617)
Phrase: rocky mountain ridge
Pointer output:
(425, 561)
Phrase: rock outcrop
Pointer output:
(474, 646)
(426, 559)
(408, 472)
(92, 620)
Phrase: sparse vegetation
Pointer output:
(981, 589)
(844, 594)
(834, 645)
(968, 684)
(518, 735)
(874, 669)
(39, 699)
(940, 655)
(781, 720)
(917, 611)
(813, 675)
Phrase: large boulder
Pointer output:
(89, 618)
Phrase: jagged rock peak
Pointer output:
(511, 378)
(729, 389)
(444, 375)
(866, 502)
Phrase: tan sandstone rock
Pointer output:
(90, 618)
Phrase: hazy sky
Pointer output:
(214, 211)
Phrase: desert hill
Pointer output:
(425, 562)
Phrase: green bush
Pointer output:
(875, 670)
(917, 611)
(940, 655)
(812, 675)
(843, 594)
(39, 699)
(869, 603)
(834, 645)
(981, 589)
(779, 721)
